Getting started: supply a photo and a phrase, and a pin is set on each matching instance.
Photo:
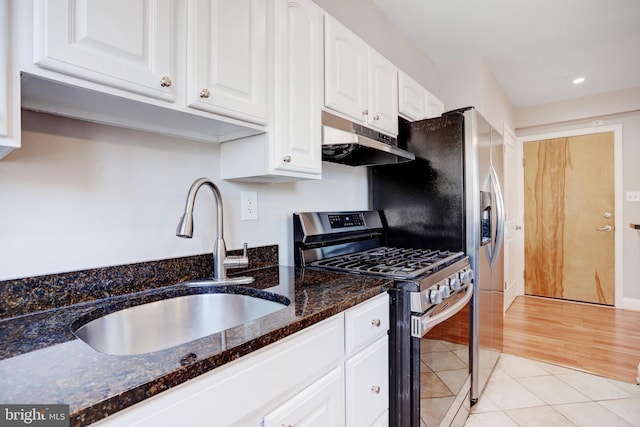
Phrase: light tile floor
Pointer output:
(528, 393)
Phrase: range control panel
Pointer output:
(346, 220)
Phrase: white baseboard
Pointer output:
(631, 304)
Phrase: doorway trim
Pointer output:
(618, 196)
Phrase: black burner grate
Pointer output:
(391, 262)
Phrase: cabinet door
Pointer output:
(9, 92)
(227, 58)
(383, 94)
(367, 384)
(411, 98)
(118, 43)
(298, 86)
(434, 107)
(319, 405)
(345, 71)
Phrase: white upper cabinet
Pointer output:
(292, 149)
(119, 43)
(434, 106)
(383, 94)
(411, 98)
(125, 63)
(9, 94)
(345, 64)
(227, 60)
(359, 82)
(298, 86)
(415, 102)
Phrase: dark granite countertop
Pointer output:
(41, 360)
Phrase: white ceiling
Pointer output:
(535, 48)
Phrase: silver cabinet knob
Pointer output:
(365, 112)
(204, 93)
(165, 81)
(287, 159)
(375, 389)
(376, 117)
(605, 228)
(376, 323)
(518, 227)
(607, 214)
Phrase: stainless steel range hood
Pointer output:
(352, 144)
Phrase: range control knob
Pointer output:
(454, 283)
(445, 290)
(435, 297)
(466, 276)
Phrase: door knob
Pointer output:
(605, 228)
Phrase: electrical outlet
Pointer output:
(633, 196)
(249, 205)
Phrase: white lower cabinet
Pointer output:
(320, 405)
(367, 384)
(307, 379)
(367, 363)
(244, 391)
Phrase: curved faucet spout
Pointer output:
(185, 227)
(220, 260)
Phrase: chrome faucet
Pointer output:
(221, 262)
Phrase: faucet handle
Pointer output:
(237, 261)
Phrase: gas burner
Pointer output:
(399, 263)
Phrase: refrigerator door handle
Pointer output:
(499, 238)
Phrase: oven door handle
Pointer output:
(420, 325)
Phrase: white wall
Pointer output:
(81, 195)
(608, 109)
(471, 83)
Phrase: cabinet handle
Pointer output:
(365, 112)
(375, 389)
(204, 93)
(287, 159)
(165, 81)
(376, 323)
(376, 117)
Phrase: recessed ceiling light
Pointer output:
(578, 80)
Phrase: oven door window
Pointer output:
(444, 369)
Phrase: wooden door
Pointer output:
(569, 217)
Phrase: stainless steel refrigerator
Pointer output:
(450, 198)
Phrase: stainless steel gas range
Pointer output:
(429, 337)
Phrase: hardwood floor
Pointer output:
(596, 339)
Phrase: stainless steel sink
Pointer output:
(169, 322)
